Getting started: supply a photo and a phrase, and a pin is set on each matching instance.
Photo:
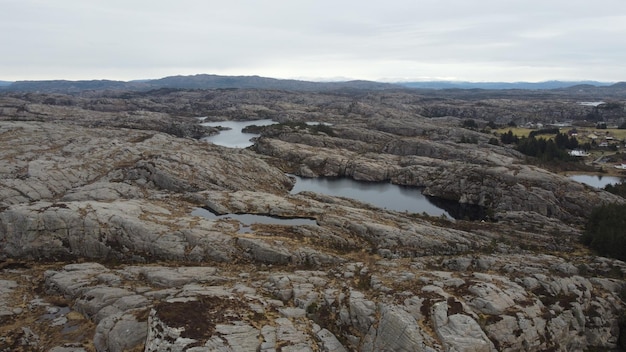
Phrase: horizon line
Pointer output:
(323, 79)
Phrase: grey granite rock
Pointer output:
(239, 336)
(6, 288)
(362, 311)
(92, 301)
(265, 252)
(120, 332)
(76, 187)
(459, 332)
(397, 331)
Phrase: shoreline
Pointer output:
(613, 172)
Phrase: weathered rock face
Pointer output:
(110, 231)
(98, 239)
(48, 162)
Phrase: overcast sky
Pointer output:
(391, 40)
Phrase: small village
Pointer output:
(602, 146)
(605, 148)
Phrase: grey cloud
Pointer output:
(471, 40)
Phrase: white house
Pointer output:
(578, 152)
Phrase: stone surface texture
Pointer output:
(100, 251)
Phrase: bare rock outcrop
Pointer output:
(70, 161)
(353, 306)
(103, 246)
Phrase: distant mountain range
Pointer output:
(194, 82)
(501, 85)
(207, 81)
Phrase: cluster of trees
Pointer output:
(469, 123)
(541, 148)
(563, 141)
(605, 231)
(619, 189)
(545, 149)
(472, 125)
(509, 138)
(605, 228)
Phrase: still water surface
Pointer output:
(382, 195)
(248, 219)
(234, 138)
(596, 180)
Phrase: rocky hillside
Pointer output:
(101, 250)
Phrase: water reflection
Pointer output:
(460, 210)
(597, 181)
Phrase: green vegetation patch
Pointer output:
(619, 189)
(605, 231)
(547, 149)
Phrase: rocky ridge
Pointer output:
(98, 240)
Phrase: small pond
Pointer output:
(248, 219)
(597, 181)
